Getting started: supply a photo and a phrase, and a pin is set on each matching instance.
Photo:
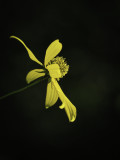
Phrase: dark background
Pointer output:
(90, 36)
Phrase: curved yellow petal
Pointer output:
(34, 74)
(31, 55)
(51, 96)
(54, 70)
(62, 106)
(66, 104)
(53, 49)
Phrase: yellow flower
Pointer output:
(56, 68)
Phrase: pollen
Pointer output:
(64, 67)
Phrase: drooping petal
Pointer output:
(51, 96)
(31, 55)
(54, 70)
(62, 106)
(66, 104)
(53, 49)
(34, 74)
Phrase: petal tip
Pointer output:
(73, 119)
(46, 107)
(62, 106)
(13, 37)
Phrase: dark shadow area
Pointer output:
(90, 36)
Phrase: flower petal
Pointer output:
(34, 74)
(31, 55)
(62, 106)
(53, 49)
(69, 107)
(54, 70)
(51, 96)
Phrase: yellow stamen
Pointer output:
(62, 65)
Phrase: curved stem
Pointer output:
(22, 89)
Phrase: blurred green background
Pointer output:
(90, 36)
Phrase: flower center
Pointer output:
(62, 64)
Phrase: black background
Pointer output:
(89, 32)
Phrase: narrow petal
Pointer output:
(51, 96)
(54, 70)
(69, 107)
(34, 74)
(31, 55)
(53, 49)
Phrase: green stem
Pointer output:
(22, 89)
